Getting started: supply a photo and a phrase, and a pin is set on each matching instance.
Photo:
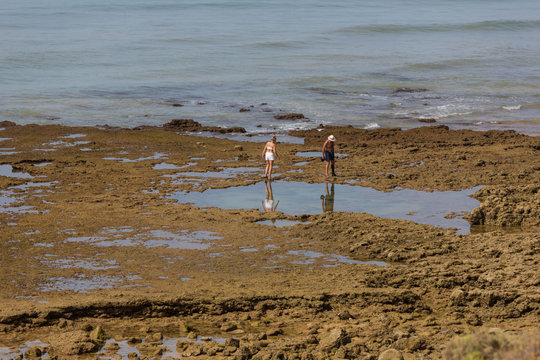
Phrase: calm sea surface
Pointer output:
(369, 63)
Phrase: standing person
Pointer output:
(269, 154)
(328, 153)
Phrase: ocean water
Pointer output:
(367, 63)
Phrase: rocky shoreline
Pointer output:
(97, 261)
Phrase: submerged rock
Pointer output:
(291, 116)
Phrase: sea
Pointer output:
(467, 64)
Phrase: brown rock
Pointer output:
(391, 354)
(291, 116)
(74, 343)
(183, 125)
(7, 123)
(334, 339)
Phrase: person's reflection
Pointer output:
(268, 202)
(328, 199)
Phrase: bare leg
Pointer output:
(327, 165)
(270, 164)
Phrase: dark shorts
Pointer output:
(328, 156)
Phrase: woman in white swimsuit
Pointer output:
(269, 154)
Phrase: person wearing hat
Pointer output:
(328, 153)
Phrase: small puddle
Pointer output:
(83, 284)
(14, 352)
(296, 198)
(280, 223)
(89, 264)
(185, 240)
(5, 139)
(156, 156)
(73, 136)
(312, 257)
(225, 173)
(165, 166)
(7, 170)
(168, 343)
(11, 196)
(316, 154)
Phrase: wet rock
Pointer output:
(458, 297)
(177, 105)
(182, 345)
(411, 344)
(243, 157)
(480, 163)
(244, 110)
(33, 352)
(194, 350)
(391, 354)
(291, 116)
(232, 342)
(74, 343)
(274, 332)
(428, 120)
(183, 125)
(150, 349)
(333, 339)
(155, 338)
(133, 356)
(134, 340)
(6, 124)
(228, 327)
(190, 125)
(239, 148)
(345, 315)
(507, 206)
(112, 347)
(409, 90)
(63, 323)
(98, 334)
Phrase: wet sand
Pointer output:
(92, 240)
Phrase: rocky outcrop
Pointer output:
(507, 206)
(291, 116)
(190, 125)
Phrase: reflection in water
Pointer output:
(328, 199)
(268, 202)
(296, 198)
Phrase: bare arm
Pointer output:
(324, 146)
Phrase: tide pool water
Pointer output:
(367, 63)
(438, 208)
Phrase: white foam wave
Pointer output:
(371, 126)
(511, 108)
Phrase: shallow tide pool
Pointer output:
(436, 208)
